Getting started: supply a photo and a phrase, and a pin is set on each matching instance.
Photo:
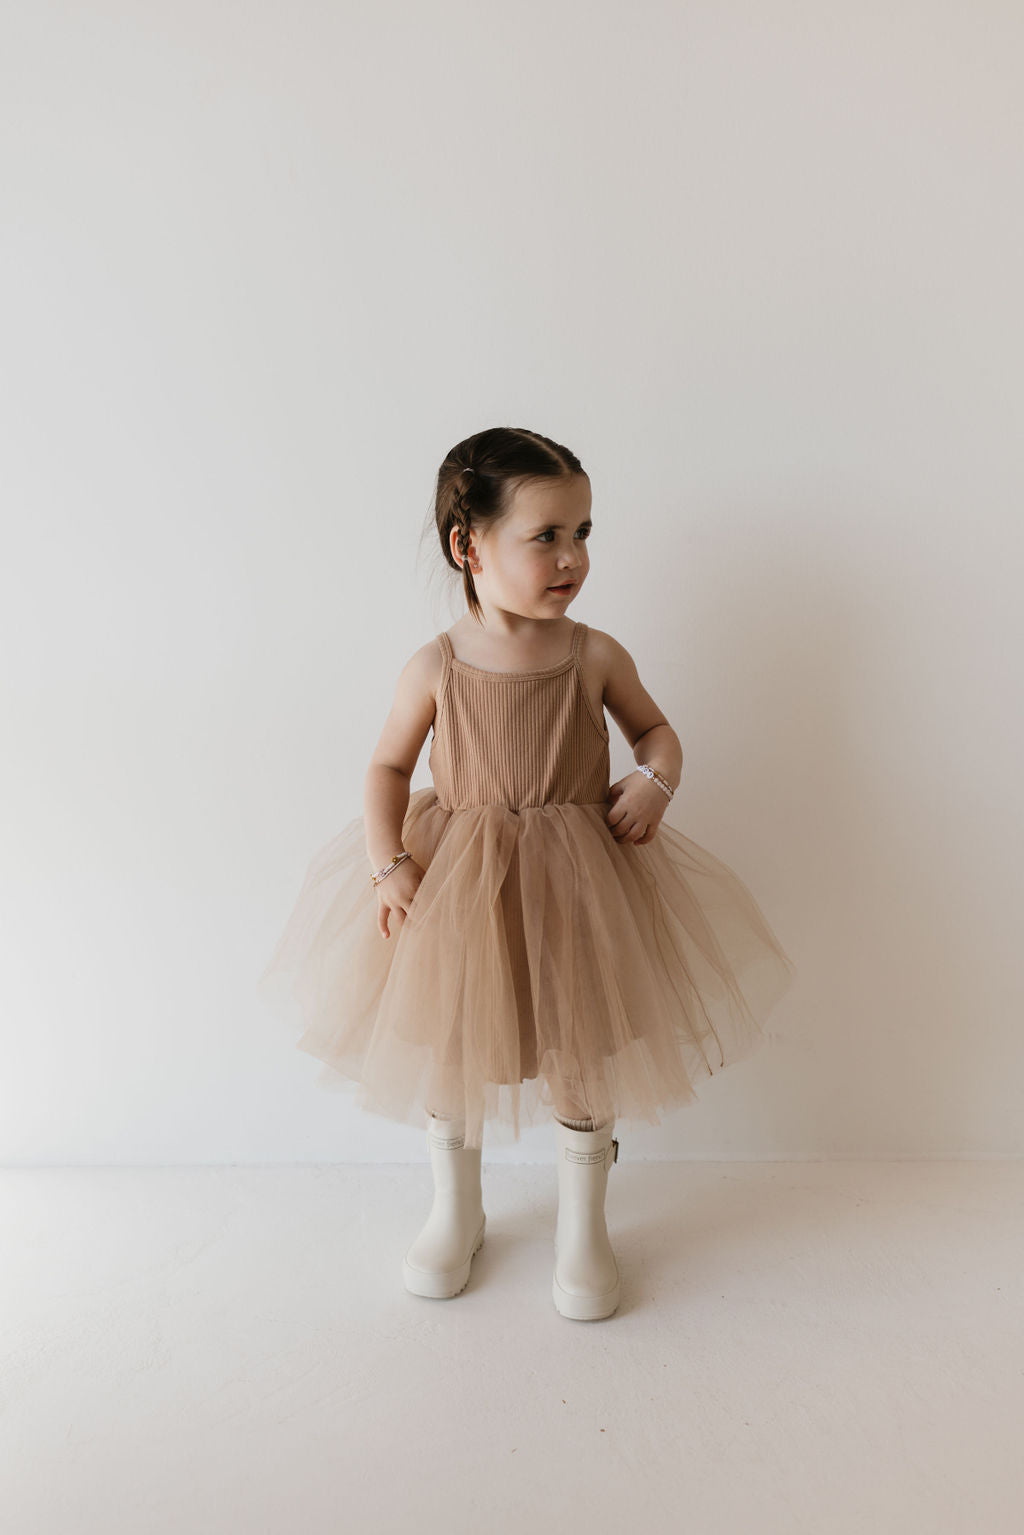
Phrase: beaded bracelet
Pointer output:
(375, 879)
(652, 773)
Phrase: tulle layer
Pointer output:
(542, 967)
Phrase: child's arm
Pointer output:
(386, 789)
(637, 715)
(640, 804)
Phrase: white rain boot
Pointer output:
(586, 1282)
(437, 1264)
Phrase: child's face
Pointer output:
(539, 544)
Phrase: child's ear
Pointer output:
(471, 555)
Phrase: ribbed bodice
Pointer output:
(517, 738)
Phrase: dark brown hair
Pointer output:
(478, 479)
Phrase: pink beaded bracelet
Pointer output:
(375, 879)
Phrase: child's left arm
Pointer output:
(638, 804)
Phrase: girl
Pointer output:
(529, 938)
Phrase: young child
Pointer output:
(529, 939)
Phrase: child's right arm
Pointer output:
(386, 792)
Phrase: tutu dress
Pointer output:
(540, 961)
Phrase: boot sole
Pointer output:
(444, 1284)
(585, 1308)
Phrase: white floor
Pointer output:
(819, 1347)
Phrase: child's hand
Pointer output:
(395, 894)
(638, 806)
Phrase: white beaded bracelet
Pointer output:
(655, 777)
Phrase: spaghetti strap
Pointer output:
(447, 656)
(577, 640)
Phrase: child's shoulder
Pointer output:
(604, 651)
(424, 667)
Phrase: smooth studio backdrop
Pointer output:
(758, 265)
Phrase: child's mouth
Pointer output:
(567, 586)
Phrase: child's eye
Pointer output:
(585, 532)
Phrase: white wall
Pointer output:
(758, 265)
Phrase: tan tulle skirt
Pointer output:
(542, 967)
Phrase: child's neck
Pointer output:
(526, 644)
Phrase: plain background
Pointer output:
(758, 266)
